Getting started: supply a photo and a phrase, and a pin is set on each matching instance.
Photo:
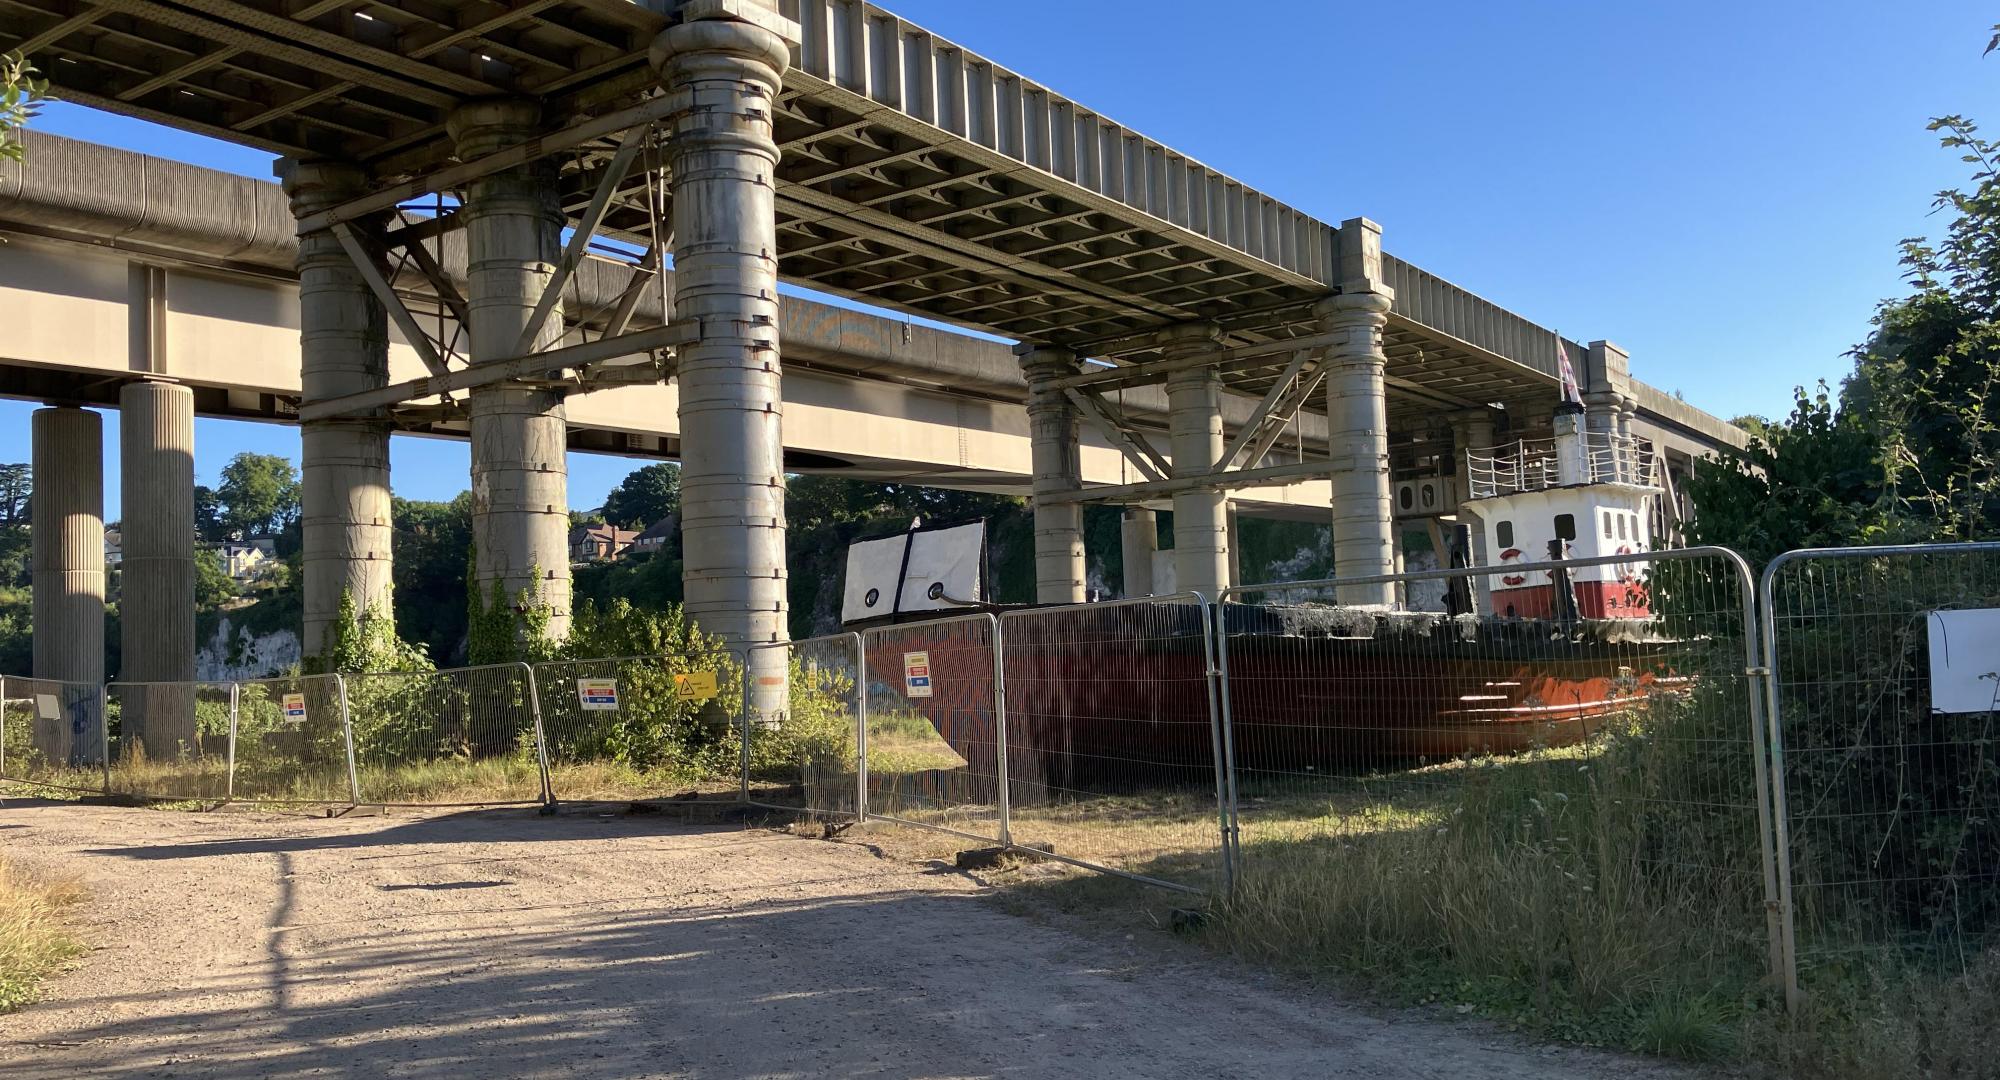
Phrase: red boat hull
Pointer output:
(1113, 699)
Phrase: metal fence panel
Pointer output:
(1884, 700)
(290, 741)
(52, 733)
(812, 754)
(638, 727)
(170, 740)
(1520, 787)
(467, 736)
(1113, 737)
(934, 725)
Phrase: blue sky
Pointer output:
(1718, 188)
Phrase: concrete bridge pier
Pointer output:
(520, 472)
(1607, 397)
(1201, 516)
(345, 520)
(156, 588)
(66, 522)
(1139, 538)
(1052, 445)
(1472, 429)
(1357, 419)
(723, 156)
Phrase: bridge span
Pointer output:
(1184, 340)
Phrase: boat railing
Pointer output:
(1535, 464)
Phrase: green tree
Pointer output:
(16, 489)
(213, 587)
(208, 515)
(1812, 479)
(259, 494)
(21, 93)
(432, 540)
(645, 496)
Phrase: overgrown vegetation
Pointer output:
(34, 944)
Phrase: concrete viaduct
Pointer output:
(481, 203)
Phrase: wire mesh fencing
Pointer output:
(290, 741)
(465, 736)
(1534, 795)
(639, 727)
(933, 709)
(170, 740)
(52, 733)
(1113, 737)
(1884, 696)
(811, 755)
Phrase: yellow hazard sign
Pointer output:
(695, 685)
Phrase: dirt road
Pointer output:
(498, 944)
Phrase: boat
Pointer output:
(1539, 658)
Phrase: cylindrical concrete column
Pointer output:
(1357, 422)
(1201, 517)
(66, 525)
(520, 471)
(1052, 446)
(723, 157)
(346, 528)
(156, 580)
(1472, 430)
(1138, 538)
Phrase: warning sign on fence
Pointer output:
(598, 694)
(295, 708)
(46, 707)
(916, 674)
(695, 685)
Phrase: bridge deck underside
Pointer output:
(916, 175)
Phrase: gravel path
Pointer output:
(498, 944)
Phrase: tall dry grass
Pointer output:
(34, 943)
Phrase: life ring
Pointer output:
(1512, 580)
(1627, 572)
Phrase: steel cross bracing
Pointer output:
(916, 175)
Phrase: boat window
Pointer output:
(1566, 526)
(1621, 525)
(1607, 524)
(1635, 526)
(1504, 532)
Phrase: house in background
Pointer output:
(598, 543)
(241, 558)
(114, 548)
(656, 537)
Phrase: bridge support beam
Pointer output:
(723, 156)
(1201, 515)
(66, 522)
(1139, 538)
(520, 471)
(1056, 467)
(156, 587)
(345, 521)
(1357, 417)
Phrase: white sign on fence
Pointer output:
(1965, 660)
(46, 707)
(598, 695)
(295, 708)
(916, 674)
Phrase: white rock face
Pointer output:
(238, 654)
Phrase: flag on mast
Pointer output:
(1570, 390)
